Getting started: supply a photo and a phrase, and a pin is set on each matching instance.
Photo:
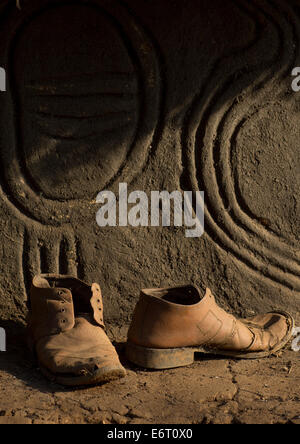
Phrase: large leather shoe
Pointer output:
(66, 332)
(170, 324)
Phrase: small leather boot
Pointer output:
(66, 332)
(170, 324)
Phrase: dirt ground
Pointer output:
(211, 391)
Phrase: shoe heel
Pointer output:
(159, 359)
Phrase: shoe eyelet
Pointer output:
(62, 310)
(63, 321)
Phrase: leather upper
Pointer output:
(66, 328)
(181, 317)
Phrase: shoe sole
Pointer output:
(100, 376)
(160, 359)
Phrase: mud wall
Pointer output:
(162, 95)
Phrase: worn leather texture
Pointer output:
(170, 318)
(65, 326)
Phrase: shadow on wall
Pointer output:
(84, 91)
(94, 87)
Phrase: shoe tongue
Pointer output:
(82, 317)
(81, 293)
(88, 316)
(42, 282)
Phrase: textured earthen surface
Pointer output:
(163, 95)
(211, 391)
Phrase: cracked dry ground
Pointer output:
(212, 390)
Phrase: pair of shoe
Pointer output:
(66, 330)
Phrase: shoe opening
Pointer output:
(186, 295)
(81, 292)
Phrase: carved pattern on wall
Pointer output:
(104, 116)
(209, 141)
